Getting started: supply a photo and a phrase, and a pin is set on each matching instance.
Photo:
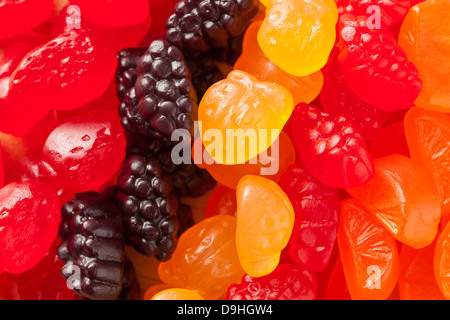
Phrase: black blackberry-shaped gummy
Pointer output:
(92, 246)
(198, 25)
(166, 98)
(126, 74)
(149, 205)
(131, 290)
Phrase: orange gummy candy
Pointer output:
(205, 260)
(177, 294)
(442, 262)
(272, 165)
(368, 253)
(428, 135)
(404, 198)
(254, 61)
(246, 115)
(265, 218)
(425, 37)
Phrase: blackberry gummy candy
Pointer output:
(198, 25)
(149, 205)
(29, 223)
(92, 246)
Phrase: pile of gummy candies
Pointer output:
(93, 205)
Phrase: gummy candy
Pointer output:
(404, 198)
(17, 17)
(222, 201)
(242, 102)
(330, 147)
(391, 140)
(202, 250)
(114, 37)
(64, 73)
(29, 220)
(113, 13)
(298, 35)
(424, 37)
(316, 209)
(337, 285)
(84, 152)
(368, 253)
(265, 219)
(286, 282)
(254, 61)
(441, 262)
(270, 165)
(416, 280)
(177, 294)
(428, 134)
(375, 68)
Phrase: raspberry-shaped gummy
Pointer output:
(286, 282)
(149, 204)
(198, 25)
(330, 147)
(28, 224)
(92, 246)
(163, 89)
(375, 67)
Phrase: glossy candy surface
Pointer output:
(265, 219)
(298, 35)
(177, 294)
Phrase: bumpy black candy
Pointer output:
(198, 25)
(92, 246)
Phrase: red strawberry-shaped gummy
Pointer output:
(42, 282)
(316, 209)
(286, 282)
(64, 73)
(85, 152)
(115, 38)
(18, 16)
(330, 147)
(390, 12)
(29, 220)
(113, 13)
(337, 99)
(375, 67)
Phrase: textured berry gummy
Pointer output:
(84, 152)
(198, 25)
(164, 98)
(92, 246)
(149, 204)
(64, 73)
(28, 224)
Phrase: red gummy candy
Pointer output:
(2, 171)
(391, 12)
(391, 140)
(42, 282)
(286, 282)
(375, 67)
(316, 209)
(160, 11)
(222, 201)
(29, 223)
(330, 147)
(336, 98)
(64, 73)
(17, 17)
(337, 286)
(114, 13)
(115, 38)
(85, 152)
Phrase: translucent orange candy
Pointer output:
(265, 219)
(428, 135)
(205, 260)
(241, 117)
(368, 253)
(271, 164)
(425, 37)
(404, 198)
(254, 61)
(442, 262)
(177, 294)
